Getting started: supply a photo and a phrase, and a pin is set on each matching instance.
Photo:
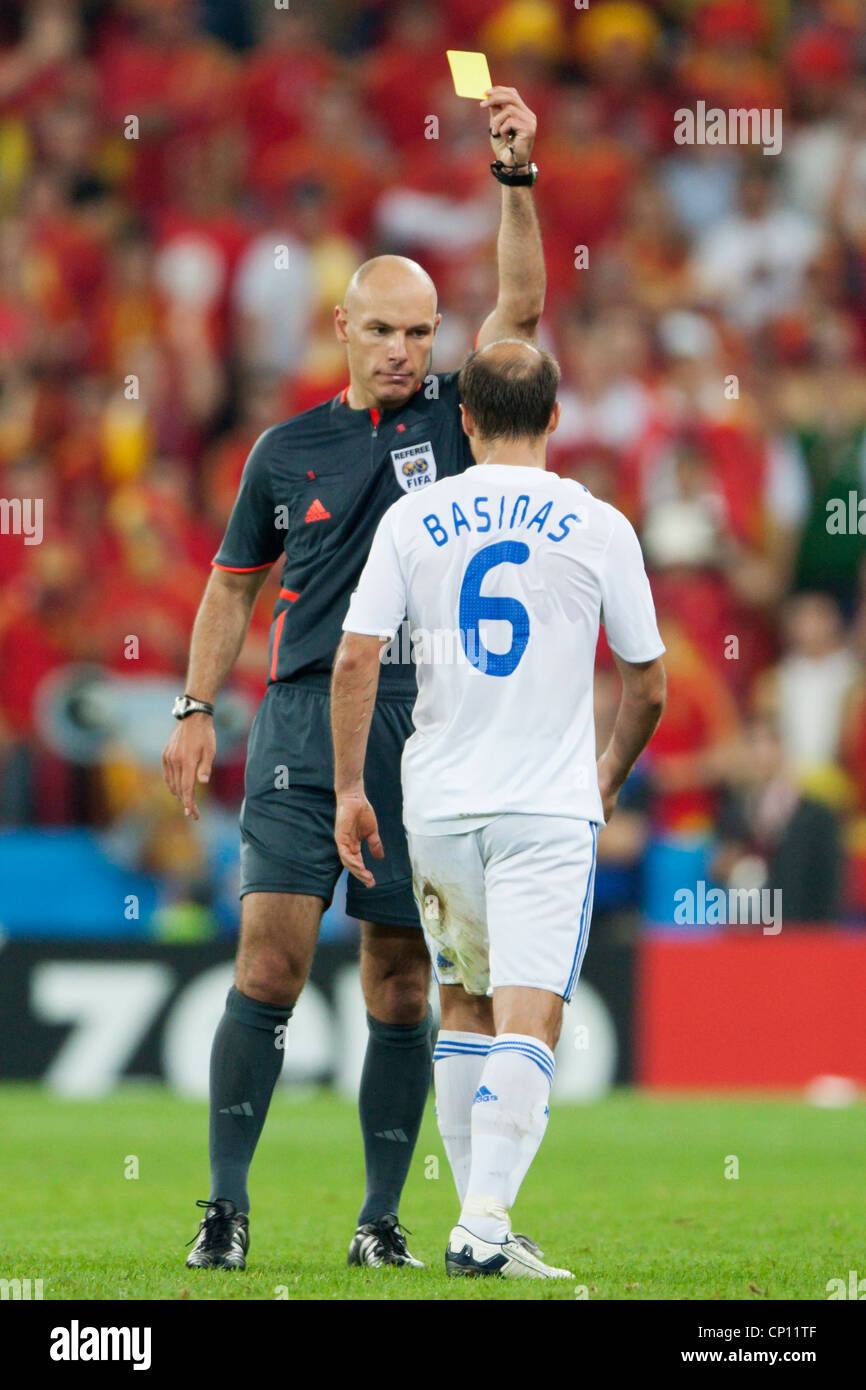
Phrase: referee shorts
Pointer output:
(287, 816)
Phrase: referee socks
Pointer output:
(246, 1059)
(395, 1083)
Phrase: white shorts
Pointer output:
(507, 904)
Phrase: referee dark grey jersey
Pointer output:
(314, 490)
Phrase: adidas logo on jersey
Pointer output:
(397, 1136)
(243, 1109)
(482, 1094)
(317, 511)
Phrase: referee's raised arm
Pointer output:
(522, 278)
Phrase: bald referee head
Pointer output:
(388, 321)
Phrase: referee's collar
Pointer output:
(374, 413)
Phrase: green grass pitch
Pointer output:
(629, 1192)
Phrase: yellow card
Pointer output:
(470, 72)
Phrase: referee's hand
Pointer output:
(512, 125)
(356, 822)
(189, 753)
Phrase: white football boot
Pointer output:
(469, 1255)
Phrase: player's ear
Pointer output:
(436, 322)
(466, 420)
(340, 319)
(554, 419)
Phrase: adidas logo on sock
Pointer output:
(243, 1109)
(317, 511)
(396, 1135)
(483, 1094)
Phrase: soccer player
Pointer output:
(313, 491)
(504, 572)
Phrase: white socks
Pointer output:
(509, 1117)
(458, 1061)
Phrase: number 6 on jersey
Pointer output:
(474, 606)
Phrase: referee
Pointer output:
(312, 494)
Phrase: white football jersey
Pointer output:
(503, 574)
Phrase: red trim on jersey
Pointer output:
(375, 416)
(241, 569)
(278, 632)
(289, 594)
(343, 394)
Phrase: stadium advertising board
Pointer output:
(84, 1016)
(747, 1011)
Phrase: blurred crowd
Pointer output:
(707, 304)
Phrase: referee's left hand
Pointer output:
(356, 822)
(512, 125)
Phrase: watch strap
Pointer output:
(515, 175)
(186, 704)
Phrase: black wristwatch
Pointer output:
(185, 705)
(515, 175)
